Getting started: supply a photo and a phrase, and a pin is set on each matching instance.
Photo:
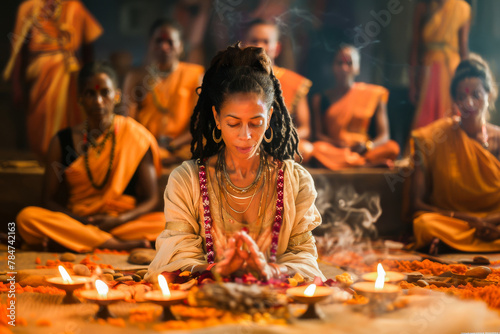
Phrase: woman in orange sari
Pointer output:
(440, 41)
(100, 183)
(342, 118)
(456, 181)
(46, 37)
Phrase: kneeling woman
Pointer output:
(456, 183)
(243, 204)
(100, 182)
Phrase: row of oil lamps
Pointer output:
(375, 287)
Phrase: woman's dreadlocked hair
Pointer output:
(237, 70)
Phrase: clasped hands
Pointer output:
(242, 253)
(104, 222)
(484, 230)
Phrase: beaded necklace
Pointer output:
(92, 142)
(207, 216)
(111, 157)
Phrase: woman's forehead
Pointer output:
(248, 104)
(469, 83)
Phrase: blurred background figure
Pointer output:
(100, 181)
(440, 41)
(342, 117)
(265, 34)
(121, 62)
(193, 16)
(456, 183)
(43, 65)
(162, 94)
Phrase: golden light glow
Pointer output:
(379, 283)
(102, 288)
(163, 286)
(65, 276)
(309, 291)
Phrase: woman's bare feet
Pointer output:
(118, 244)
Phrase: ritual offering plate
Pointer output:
(237, 298)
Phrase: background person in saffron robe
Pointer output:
(100, 183)
(440, 41)
(43, 65)
(342, 117)
(243, 188)
(456, 182)
(162, 94)
(265, 34)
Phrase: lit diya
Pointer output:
(309, 295)
(390, 276)
(103, 297)
(166, 298)
(68, 284)
(378, 292)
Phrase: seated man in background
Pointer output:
(100, 183)
(294, 87)
(162, 94)
(342, 117)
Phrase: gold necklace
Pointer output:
(261, 216)
(240, 190)
(249, 203)
(220, 165)
(241, 198)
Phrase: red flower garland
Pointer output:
(278, 219)
(207, 217)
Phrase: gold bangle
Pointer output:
(369, 145)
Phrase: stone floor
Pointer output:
(423, 311)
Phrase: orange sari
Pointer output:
(166, 110)
(294, 87)
(465, 177)
(441, 58)
(132, 142)
(52, 67)
(346, 123)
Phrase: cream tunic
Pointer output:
(182, 244)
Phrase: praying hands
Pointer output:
(242, 253)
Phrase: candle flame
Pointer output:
(309, 291)
(65, 276)
(163, 286)
(102, 288)
(379, 283)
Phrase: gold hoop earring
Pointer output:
(216, 140)
(268, 140)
